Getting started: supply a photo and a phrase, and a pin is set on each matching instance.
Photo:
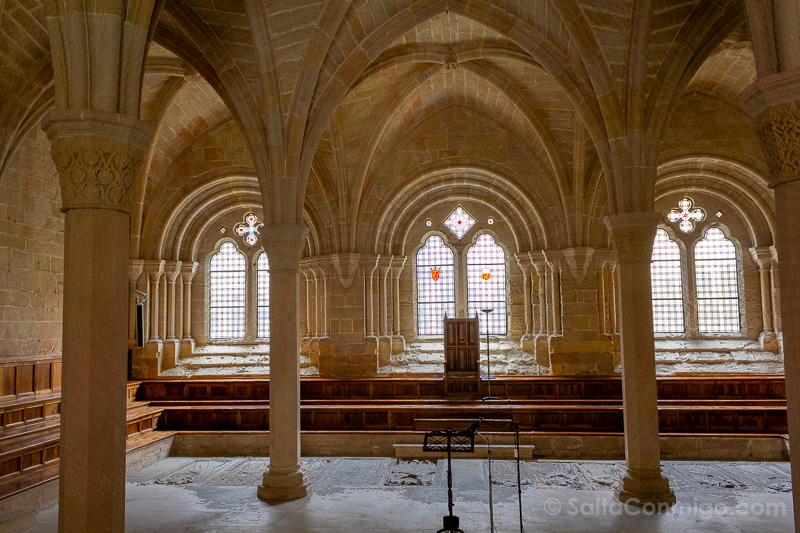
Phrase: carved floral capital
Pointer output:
(98, 156)
(284, 246)
(632, 235)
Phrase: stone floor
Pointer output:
(427, 358)
(354, 495)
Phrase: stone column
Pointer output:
(773, 103)
(632, 235)
(172, 270)
(542, 329)
(612, 297)
(763, 257)
(284, 480)
(188, 271)
(97, 155)
(527, 340)
(319, 289)
(154, 269)
(147, 360)
(305, 341)
(384, 286)
(398, 341)
(135, 269)
(369, 267)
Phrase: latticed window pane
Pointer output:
(665, 275)
(485, 255)
(459, 222)
(263, 296)
(717, 274)
(227, 298)
(435, 288)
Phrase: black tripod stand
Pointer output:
(450, 441)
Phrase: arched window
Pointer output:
(262, 268)
(665, 275)
(435, 286)
(716, 269)
(227, 293)
(487, 257)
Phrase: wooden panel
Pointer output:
(7, 382)
(42, 377)
(24, 383)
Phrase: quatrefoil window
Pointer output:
(248, 229)
(686, 215)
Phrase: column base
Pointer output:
(542, 350)
(277, 488)
(398, 344)
(187, 347)
(384, 351)
(146, 362)
(172, 349)
(645, 487)
(769, 342)
(528, 343)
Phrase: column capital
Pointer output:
(154, 268)
(398, 264)
(603, 257)
(135, 269)
(632, 235)
(369, 263)
(524, 262)
(323, 266)
(538, 261)
(188, 270)
(762, 255)
(307, 268)
(284, 245)
(172, 269)
(384, 265)
(773, 103)
(98, 155)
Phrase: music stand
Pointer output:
(450, 441)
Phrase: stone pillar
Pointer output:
(284, 480)
(369, 267)
(542, 342)
(147, 361)
(384, 267)
(398, 341)
(773, 103)
(97, 155)
(527, 341)
(763, 258)
(135, 269)
(612, 297)
(172, 345)
(188, 271)
(308, 333)
(632, 235)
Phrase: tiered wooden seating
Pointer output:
(30, 413)
(721, 404)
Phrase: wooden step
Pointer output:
(29, 410)
(141, 418)
(605, 388)
(377, 416)
(133, 387)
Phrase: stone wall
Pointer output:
(31, 251)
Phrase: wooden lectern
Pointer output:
(461, 351)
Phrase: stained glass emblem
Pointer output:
(459, 222)
(686, 215)
(248, 229)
